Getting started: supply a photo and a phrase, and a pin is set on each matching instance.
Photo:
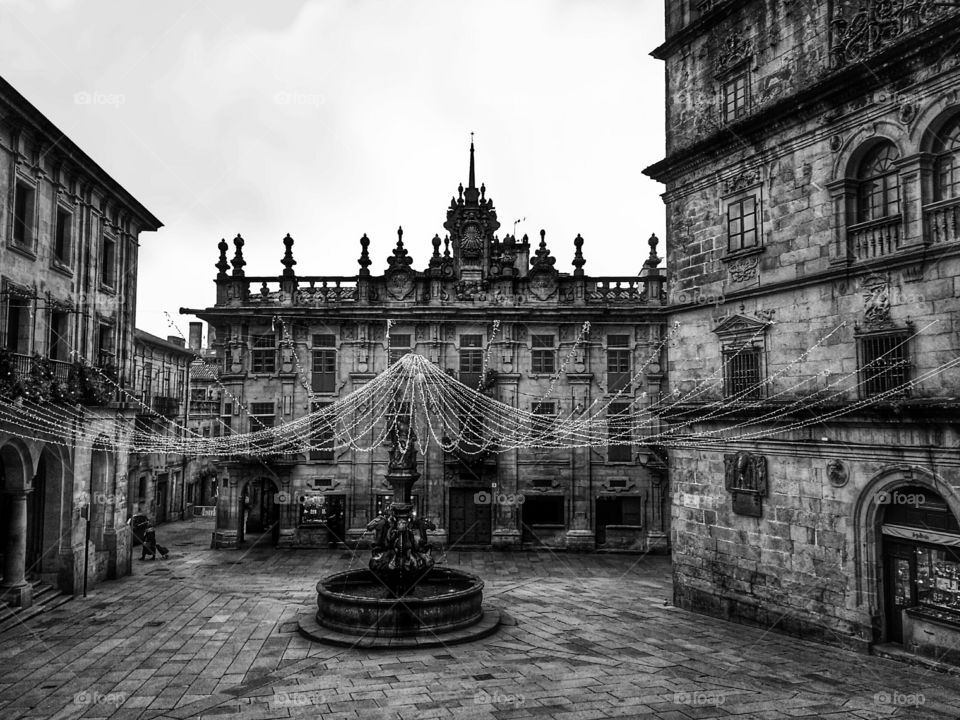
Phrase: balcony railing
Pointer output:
(875, 238)
(41, 379)
(941, 221)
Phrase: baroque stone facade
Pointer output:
(68, 266)
(492, 313)
(812, 200)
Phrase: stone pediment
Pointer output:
(740, 326)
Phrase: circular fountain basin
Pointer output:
(357, 602)
(356, 609)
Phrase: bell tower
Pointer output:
(471, 222)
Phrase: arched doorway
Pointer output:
(259, 511)
(16, 469)
(920, 559)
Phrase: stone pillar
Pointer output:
(658, 539)
(506, 522)
(915, 172)
(15, 589)
(843, 194)
(288, 500)
(109, 517)
(580, 534)
(228, 513)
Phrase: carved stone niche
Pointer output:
(837, 473)
(745, 478)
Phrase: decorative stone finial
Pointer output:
(435, 259)
(222, 265)
(401, 258)
(653, 260)
(238, 262)
(578, 261)
(543, 259)
(288, 261)
(364, 260)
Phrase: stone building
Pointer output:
(161, 385)
(289, 343)
(203, 418)
(812, 177)
(68, 268)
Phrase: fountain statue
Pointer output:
(402, 599)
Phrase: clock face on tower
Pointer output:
(470, 244)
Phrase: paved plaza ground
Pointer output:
(213, 634)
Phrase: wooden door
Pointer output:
(470, 522)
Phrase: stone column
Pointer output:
(915, 172)
(843, 195)
(15, 589)
(658, 539)
(228, 512)
(580, 534)
(109, 517)
(506, 526)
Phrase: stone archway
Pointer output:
(871, 580)
(16, 473)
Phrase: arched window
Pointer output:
(946, 148)
(879, 188)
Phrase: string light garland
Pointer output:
(415, 401)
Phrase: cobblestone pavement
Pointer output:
(213, 634)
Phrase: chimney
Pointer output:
(196, 335)
(175, 339)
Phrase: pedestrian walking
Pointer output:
(150, 545)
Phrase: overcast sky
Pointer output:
(335, 118)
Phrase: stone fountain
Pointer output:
(402, 599)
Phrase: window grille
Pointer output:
(742, 378)
(884, 364)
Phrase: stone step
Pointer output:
(44, 597)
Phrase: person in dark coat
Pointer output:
(149, 546)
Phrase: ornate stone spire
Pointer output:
(401, 258)
(578, 261)
(543, 259)
(238, 262)
(471, 194)
(364, 260)
(222, 265)
(472, 183)
(288, 261)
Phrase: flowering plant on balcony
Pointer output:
(10, 388)
(36, 384)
